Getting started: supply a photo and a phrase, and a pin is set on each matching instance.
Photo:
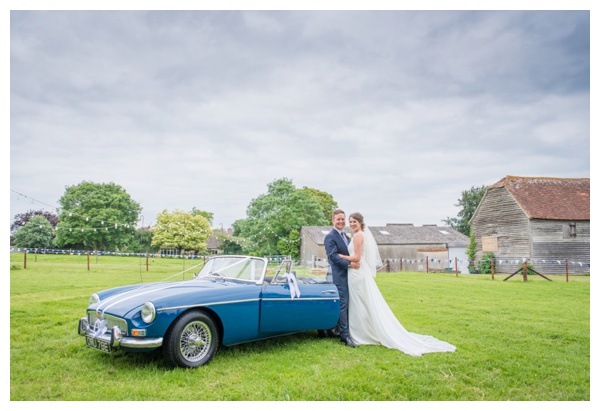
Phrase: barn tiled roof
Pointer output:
(550, 198)
(398, 234)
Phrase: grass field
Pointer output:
(520, 341)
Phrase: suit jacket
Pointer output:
(334, 245)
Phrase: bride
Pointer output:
(371, 321)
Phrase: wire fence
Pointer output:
(185, 262)
(557, 266)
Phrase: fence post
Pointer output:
(493, 261)
(388, 265)
(88, 260)
(146, 261)
(456, 266)
(525, 270)
(567, 269)
(25, 258)
(401, 263)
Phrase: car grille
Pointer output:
(111, 321)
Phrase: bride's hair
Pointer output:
(358, 217)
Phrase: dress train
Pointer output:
(372, 322)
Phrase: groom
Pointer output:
(336, 242)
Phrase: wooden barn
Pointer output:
(405, 246)
(542, 219)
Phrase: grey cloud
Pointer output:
(204, 109)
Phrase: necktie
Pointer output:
(344, 237)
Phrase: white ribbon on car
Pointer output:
(100, 327)
(294, 290)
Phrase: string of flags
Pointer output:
(56, 251)
(99, 253)
(473, 262)
(261, 237)
(264, 238)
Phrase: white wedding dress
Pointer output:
(371, 321)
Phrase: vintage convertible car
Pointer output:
(230, 301)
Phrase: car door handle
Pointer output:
(329, 292)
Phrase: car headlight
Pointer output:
(94, 298)
(148, 312)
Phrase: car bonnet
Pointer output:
(167, 295)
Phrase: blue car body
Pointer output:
(230, 301)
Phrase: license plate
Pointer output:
(97, 344)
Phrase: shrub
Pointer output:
(471, 251)
(485, 265)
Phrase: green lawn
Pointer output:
(515, 340)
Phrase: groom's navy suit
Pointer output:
(334, 245)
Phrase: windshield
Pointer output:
(240, 267)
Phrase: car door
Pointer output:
(317, 306)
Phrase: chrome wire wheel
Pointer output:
(191, 341)
(195, 341)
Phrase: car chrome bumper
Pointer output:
(113, 337)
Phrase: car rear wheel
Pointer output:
(192, 341)
(330, 333)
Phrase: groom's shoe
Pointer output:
(349, 342)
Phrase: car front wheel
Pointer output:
(192, 341)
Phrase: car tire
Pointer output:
(192, 341)
(330, 333)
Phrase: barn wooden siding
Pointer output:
(501, 217)
(547, 244)
(551, 242)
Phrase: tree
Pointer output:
(291, 245)
(142, 242)
(272, 216)
(181, 230)
(22, 219)
(208, 215)
(326, 202)
(37, 233)
(230, 245)
(97, 216)
(468, 202)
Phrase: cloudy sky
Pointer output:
(394, 113)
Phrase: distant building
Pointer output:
(212, 246)
(543, 219)
(214, 243)
(405, 246)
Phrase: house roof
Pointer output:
(398, 234)
(550, 198)
(214, 240)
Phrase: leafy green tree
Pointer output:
(100, 216)
(142, 242)
(468, 202)
(209, 216)
(37, 233)
(272, 216)
(326, 202)
(21, 219)
(230, 245)
(290, 245)
(181, 231)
